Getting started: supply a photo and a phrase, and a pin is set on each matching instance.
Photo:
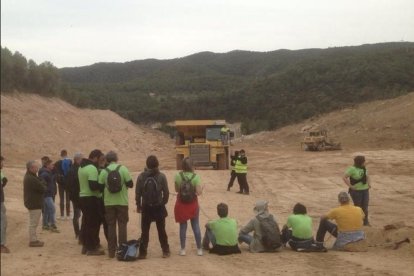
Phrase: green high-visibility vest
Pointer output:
(224, 129)
(240, 168)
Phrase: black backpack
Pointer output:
(270, 233)
(151, 194)
(128, 251)
(187, 189)
(114, 181)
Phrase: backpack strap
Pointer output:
(118, 167)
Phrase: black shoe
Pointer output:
(142, 255)
(166, 254)
(247, 193)
(239, 192)
(84, 250)
(96, 252)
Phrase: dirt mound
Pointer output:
(33, 126)
(387, 124)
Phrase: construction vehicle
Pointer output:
(317, 140)
(203, 142)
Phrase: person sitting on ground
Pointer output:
(151, 196)
(298, 230)
(266, 233)
(34, 188)
(221, 233)
(349, 219)
(49, 211)
(115, 181)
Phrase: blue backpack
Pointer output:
(128, 251)
(65, 166)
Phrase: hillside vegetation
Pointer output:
(263, 90)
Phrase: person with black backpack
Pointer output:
(62, 167)
(266, 233)
(115, 181)
(151, 196)
(188, 187)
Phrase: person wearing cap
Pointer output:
(358, 182)
(255, 242)
(348, 227)
(221, 233)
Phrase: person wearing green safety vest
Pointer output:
(241, 172)
(224, 134)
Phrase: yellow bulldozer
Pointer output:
(206, 142)
(317, 140)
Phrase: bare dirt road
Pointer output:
(281, 175)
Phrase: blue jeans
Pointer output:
(49, 212)
(209, 238)
(195, 225)
(246, 238)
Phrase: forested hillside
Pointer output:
(263, 90)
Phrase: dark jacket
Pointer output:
(162, 187)
(33, 190)
(72, 185)
(50, 180)
(3, 183)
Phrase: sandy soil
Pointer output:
(283, 175)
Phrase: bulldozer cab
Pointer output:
(203, 142)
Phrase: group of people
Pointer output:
(98, 188)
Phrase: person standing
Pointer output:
(233, 174)
(151, 196)
(241, 172)
(224, 134)
(90, 195)
(115, 181)
(33, 192)
(72, 187)
(188, 188)
(358, 182)
(49, 211)
(3, 222)
(62, 168)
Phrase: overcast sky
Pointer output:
(82, 32)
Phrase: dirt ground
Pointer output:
(281, 175)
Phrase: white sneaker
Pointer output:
(182, 252)
(200, 252)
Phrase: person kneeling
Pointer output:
(348, 230)
(266, 237)
(221, 233)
